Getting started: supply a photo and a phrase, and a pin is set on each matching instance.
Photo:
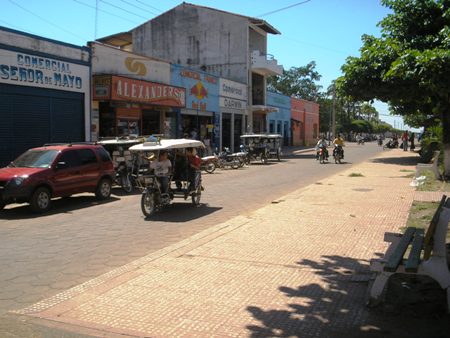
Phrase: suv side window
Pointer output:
(87, 156)
(104, 155)
(70, 159)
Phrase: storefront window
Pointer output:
(272, 126)
(127, 127)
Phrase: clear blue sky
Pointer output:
(324, 31)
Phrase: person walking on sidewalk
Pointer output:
(405, 140)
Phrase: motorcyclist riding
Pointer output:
(322, 144)
(338, 143)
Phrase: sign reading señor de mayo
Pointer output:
(108, 60)
(233, 95)
(125, 89)
(36, 71)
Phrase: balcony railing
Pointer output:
(265, 64)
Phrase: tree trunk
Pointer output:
(445, 118)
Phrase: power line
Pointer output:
(284, 8)
(140, 8)
(122, 9)
(45, 20)
(149, 5)
(101, 10)
(16, 27)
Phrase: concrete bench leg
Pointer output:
(378, 287)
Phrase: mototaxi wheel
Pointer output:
(196, 196)
(148, 206)
(264, 159)
(125, 183)
(40, 200)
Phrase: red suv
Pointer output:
(50, 171)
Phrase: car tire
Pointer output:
(103, 189)
(40, 200)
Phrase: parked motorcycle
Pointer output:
(228, 159)
(338, 154)
(391, 144)
(380, 141)
(123, 177)
(209, 163)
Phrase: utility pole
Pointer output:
(333, 115)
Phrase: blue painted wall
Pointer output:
(279, 122)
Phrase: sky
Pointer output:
(324, 31)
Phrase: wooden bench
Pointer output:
(427, 255)
(432, 166)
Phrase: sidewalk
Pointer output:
(297, 267)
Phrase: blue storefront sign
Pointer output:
(202, 102)
(279, 122)
(202, 90)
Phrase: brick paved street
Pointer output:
(296, 267)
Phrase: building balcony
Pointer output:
(265, 64)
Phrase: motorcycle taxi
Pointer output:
(182, 181)
(262, 146)
(118, 148)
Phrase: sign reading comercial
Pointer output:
(131, 90)
(233, 95)
(37, 71)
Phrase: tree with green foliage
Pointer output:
(299, 82)
(408, 66)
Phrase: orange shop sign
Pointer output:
(125, 89)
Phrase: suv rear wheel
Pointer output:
(40, 200)
(103, 189)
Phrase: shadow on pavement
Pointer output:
(335, 307)
(407, 161)
(301, 156)
(183, 212)
(60, 205)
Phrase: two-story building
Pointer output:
(224, 44)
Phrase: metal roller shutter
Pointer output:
(30, 117)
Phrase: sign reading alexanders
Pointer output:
(130, 90)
